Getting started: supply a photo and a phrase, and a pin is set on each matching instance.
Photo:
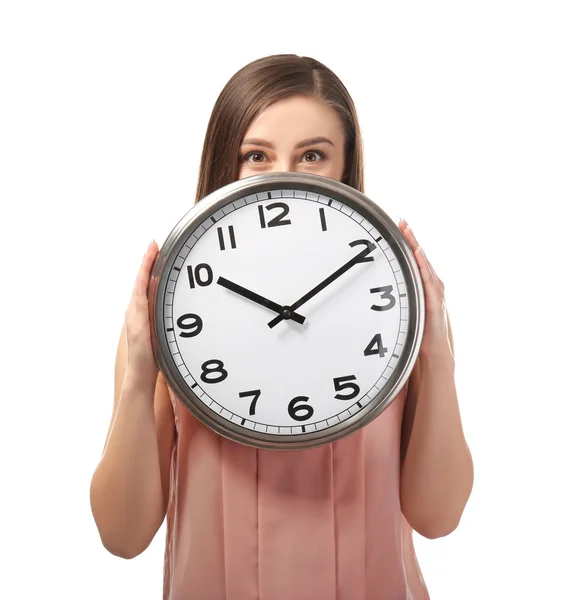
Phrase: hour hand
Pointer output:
(284, 311)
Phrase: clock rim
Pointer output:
(256, 184)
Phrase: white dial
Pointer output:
(269, 322)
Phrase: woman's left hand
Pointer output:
(435, 336)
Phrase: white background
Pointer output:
(467, 115)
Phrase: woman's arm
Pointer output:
(130, 486)
(437, 471)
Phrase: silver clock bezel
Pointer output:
(256, 184)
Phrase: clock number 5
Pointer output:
(376, 347)
(341, 385)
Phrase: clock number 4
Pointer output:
(277, 220)
(376, 347)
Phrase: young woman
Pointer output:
(327, 523)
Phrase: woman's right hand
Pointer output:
(140, 358)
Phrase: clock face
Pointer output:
(254, 364)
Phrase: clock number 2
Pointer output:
(365, 243)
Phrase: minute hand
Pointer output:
(325, 283)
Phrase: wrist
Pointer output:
(140, 380)
(439, 358)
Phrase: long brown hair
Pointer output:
(250, 91)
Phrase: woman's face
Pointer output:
(298, 134)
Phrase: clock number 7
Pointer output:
(256, 394)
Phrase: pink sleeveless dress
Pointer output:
(316, 524)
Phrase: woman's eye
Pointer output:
(246, 157)
(305, 156)
(321, 155)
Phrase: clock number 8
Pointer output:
(206, 370)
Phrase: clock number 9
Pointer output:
(301, 412)
(196, 326)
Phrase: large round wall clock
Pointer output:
(286, 310)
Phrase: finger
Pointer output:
(142, 279)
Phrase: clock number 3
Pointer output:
(386, 295)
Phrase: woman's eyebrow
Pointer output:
(308, 142)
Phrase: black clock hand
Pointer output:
(238, 289)
(322, 285)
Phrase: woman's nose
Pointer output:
(283, 166)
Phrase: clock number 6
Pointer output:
(300, 412)
(341, 385)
